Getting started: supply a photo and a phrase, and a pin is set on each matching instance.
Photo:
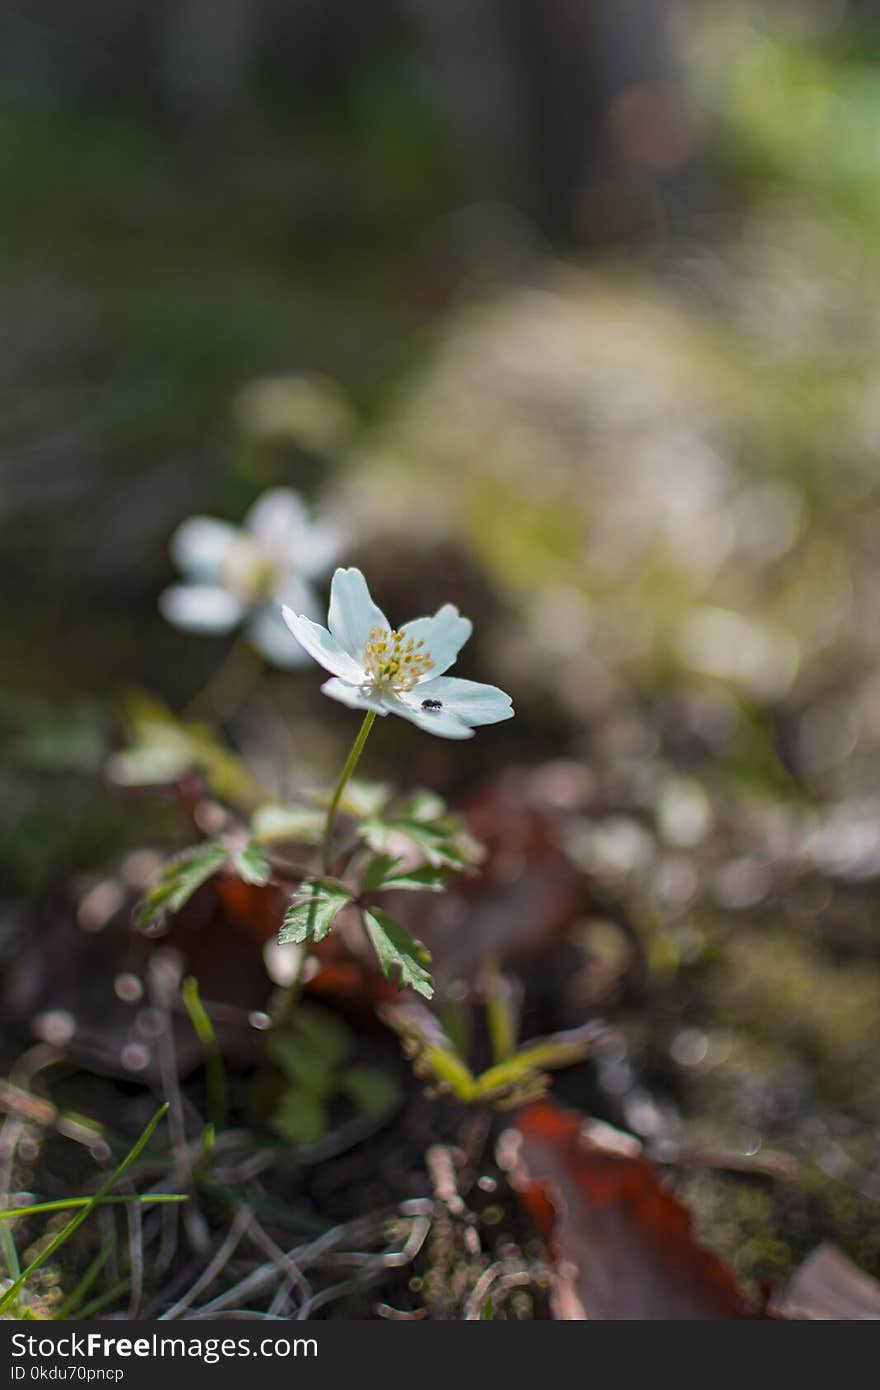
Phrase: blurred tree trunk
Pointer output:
(528, 84)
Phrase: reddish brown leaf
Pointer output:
(623, 1246)
(256, 910)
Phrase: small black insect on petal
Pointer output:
(432, 704)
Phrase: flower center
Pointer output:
(393, 661)
(249, 572)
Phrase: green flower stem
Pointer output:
(288, 995)
(351, 763)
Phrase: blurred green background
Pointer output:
(598, 287)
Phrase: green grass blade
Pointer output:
(63, 1203)
(215, 1073)
(73, 1225)
(9, 1252)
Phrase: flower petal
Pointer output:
(271, 636)
(200, 607)
(317, 548)
(278, 520)
(323, 647)
(355, 697)
(470, 701)
(445, 723)
(444, 635)
(353, 614)
(200, 545)
(269, 631)
(292, 592)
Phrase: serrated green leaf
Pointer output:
(288, 823)
(397, 950)
(437, 842)
(427, 879)
(252, 864)
(312, 912)
(377, 869)
(179, 880)
(443, 842)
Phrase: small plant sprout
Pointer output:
(397, 843)
(385, 671)
(243, 575)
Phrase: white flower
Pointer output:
(241, 574)
(375, 668)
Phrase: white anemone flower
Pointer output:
(373, 667)
(242, 574)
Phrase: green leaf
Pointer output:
(375, 833)
(373, 1091)
(364, 798)
(325, 1032)
(252, 864)
(426, 879)
(448, 1068)
(398, 950)
(305, 1069)
(152, 762)
(179, 880)
(272, 822)
(444, 843)
(437, 842)
(161, 750)
(382, 872)
(377, 869)
(301, 1117)
(525, 1066)
(423, 805)
(312, 911)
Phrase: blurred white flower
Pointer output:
(245, 574)
(375, 668)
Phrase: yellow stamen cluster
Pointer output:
(394, 661)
